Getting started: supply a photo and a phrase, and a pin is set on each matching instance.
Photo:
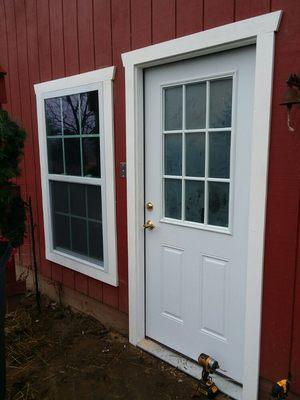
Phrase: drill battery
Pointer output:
(208, 389)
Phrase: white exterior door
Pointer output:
(198, 117)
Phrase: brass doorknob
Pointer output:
(149, 225)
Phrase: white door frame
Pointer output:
(260, 31)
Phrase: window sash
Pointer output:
(100, 80)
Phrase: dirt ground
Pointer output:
(63, 355)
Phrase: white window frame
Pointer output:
(261, 32)
(101, 80)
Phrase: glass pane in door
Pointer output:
(198, 154)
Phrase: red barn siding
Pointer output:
(48, 39)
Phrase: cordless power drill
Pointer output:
(280, 389)
(206, 386)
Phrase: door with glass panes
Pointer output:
(198, 115)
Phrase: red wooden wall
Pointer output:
(47, 39)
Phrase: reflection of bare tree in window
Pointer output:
(71, 115)
(72, 125)
(89, 113)
(53, 116)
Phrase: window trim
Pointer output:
(101, 80)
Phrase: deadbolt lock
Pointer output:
(149, 225)
(149, 206)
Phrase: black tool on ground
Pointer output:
(206, 386)
(280, 389)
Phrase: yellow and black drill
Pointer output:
(280, 389)
(206, 385)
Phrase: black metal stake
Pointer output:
(36, 283)
(5, 252)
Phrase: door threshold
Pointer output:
(226, 386)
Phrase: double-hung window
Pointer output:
(75, 122)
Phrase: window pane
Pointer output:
(218, 203)
(195, 154)
(95, 240)
(89, 113)
(79, 235)
(70, 106)
(53, 116)
(220, 103)
(194, 201)
(94, 202)
(173, 189)
(173, 108)
(55, 156)
(77, 199)
(173, 154)
(60, 200)
(219, 154)
(61, 230)
(72, 156)
(91, 157)
(196, 106)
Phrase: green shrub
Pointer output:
(12, 207)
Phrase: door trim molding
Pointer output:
(260, 31)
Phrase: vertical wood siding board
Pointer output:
(164, 20)
(189, 17)
(34, 77)
(16, 101)
(44, 40)
(249, 8)
(110, 296)
(4, 53)
(68, 277)
(57, 39)
(95, 289)
(81, 283)
(57, 274)
(102, 33)
(123, 296)
(121, 31)
(295, 349)
(24, 89)
(216, 14)
(15, 105)
(26, 111)
(295, 331)
(85, 35)
(141, 30)
(12, 59)
(70, 33)
(282, 206)
(33, 73)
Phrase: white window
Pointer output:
(75, 123)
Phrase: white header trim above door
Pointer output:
(260, 31)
